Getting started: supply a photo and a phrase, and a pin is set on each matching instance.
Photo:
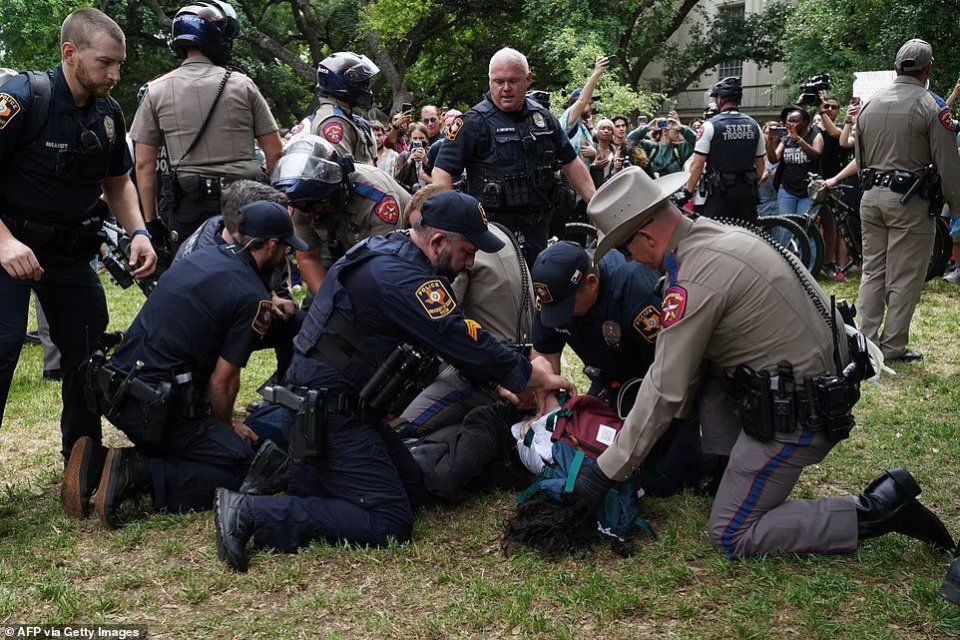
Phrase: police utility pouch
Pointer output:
(901, 181)
(754, 403)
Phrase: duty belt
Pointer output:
(897, 181)
(522, 222)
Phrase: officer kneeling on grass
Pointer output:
(172, 383)
(739, 310)
(353, 479)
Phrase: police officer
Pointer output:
(343, 84)
(337, 204)
(172, 383)
(224, 230)
(728, 157)
(62, 145)
(206, 118)
(497, 293)
(902, 130)
(511, 148)
(363, 485)
(748, 326)
(609, 314)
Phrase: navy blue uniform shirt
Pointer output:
(211, 304)
(619, 334)
(472, 140)
(53, 178)
(401, 298)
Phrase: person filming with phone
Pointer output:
(797, 147)
(675, 146)
(413, 166)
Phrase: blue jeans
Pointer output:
(789, 204)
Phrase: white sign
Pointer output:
(867, 83)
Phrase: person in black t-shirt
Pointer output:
(798, 154)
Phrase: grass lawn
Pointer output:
(453, 582)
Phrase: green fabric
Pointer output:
(574, 472)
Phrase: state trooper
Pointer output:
(171, 384)
(62, 147)
(728, 157)
(745, 324)
(901, 131)
(336, 203)
(357, 482)
(343, 84)
(205, 118)
(512, 149)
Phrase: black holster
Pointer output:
(310, 419)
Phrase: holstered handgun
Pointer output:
(306, 434)
(754, 403)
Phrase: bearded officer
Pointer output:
(738, 311)
(902, 129)
(343, 84)
(511, 148)
(206, 117)
(337, 204)
(728, 157)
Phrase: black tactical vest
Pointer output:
(733, 148)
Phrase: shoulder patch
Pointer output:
(674, 306)
(542, 292)
(9, 108)
(332, 132)
(436, 299)
(473, 329)
(945, 117)
(263, 318)
(701, 131)
(647, 323)
(388, 210)
(454, 129)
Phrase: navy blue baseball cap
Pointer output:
(557, 273)
(576, 94)
(460, 213)
(268, 220)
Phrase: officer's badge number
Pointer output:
(436, 299)
(454, 129)
(263, 318)
(647, 323)
(674, 306)
(9, 108)
(333, 132)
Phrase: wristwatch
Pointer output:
(141, 232)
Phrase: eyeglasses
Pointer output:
(433, 120)
(832, 107)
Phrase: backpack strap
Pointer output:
(574, 471)
(41, 90)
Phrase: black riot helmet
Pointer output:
(728, 89)
(209, 26)
(346, 76)
(312, 172)
(540, 97)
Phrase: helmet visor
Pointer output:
(305, 160)
(362, 71)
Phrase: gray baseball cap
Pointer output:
(914, 55)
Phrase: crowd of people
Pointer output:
(439, 305)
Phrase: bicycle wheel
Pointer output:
(582, 233)
(942, 248)
(791, 236)
(815, 238)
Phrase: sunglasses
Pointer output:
(624, 248)
(832, 107)
(433, 120)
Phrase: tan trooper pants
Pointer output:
(897, 241)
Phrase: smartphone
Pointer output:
(406, 107)
(663, 123)
(642, 120)
(780, 133)
(416, 145)
(856, 101)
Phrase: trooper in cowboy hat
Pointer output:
(734, 304)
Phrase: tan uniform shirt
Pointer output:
(375, 208)
(334, 123)
(735, 301)
(175, 105)
(906, 127)
(492, 292)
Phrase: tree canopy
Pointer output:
(428, 50)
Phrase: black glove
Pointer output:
(160, 239)
(682, 197)
(591, 488)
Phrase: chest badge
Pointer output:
(611, 333)
(538, 120)
(436, 300)
(647, 323)
(110, 128)
(9, 108)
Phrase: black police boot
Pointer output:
(80, 477)
(125, 480)
(951, 586)
(234, 522)
(890, 504)
(268, 471)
